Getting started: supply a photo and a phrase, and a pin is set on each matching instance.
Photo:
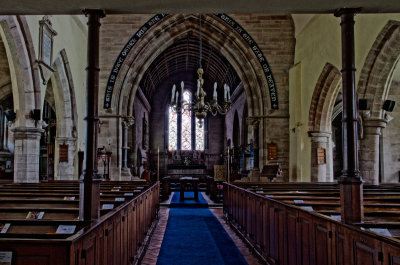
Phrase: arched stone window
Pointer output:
(185, 131)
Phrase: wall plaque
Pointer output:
(321, 155)
(46, 35)
(272, 151)
(63, 153)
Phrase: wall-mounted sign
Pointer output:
(272, 151)
(63, 153)
(321, 156)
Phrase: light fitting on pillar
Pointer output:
(362, 104)
(388, 105)
(199, 107)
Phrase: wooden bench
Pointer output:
(116, 238)
(277, 219)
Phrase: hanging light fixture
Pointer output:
(199, 107)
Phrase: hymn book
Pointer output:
(4, 227)
(5, 257)
(34, 215)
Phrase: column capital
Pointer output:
(100, 12)
(381, 123)
(27, 132)
(344, 11)
(128, 121)
(254, 121)
(317, 134)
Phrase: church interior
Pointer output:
(196, 133)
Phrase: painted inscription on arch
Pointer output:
(260, 56)
(124, 53)
(225, 18)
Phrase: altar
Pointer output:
(184, 181)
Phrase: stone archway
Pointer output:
(64, 96)
(231, 46)
(26, 96)
(319, 122)
(377, 82)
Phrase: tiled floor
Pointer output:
(151, 255)
(153, 250)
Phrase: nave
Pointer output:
(195, 235)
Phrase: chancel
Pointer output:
(188, 132)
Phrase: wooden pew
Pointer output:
(285, 233)
(115, 239)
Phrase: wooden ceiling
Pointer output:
(182, 60)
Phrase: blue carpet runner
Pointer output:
(195, 236)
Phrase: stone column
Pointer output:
(125, 171)
(26, 154)
(319, 172)
(255, 171)
(89, 196)
(369, 150)
(351, 190)
(65, 170)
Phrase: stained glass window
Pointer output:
(172, 130)
(186, 132)
(189, 139)
(199, 134)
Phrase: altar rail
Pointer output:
(117, 238)
(287, 234)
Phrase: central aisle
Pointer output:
(195, 236)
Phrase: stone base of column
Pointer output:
(254, 175)
(26, 154)
(351, 201)
(125, 174)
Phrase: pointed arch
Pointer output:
(323, 99)
(66, 113)
(23, 70)
(175, 27)
(376, 73)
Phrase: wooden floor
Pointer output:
(153, 249)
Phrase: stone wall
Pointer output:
(273, 34)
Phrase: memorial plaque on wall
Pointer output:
(272, 151)
(321, 154)
(63, 153)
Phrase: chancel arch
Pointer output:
(227, 42)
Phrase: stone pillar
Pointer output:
(125, 171)
(319, 172)
(89, 196)
(351, 190)
(26, 154)
(369, 150)
(255, 171)
(65, 170)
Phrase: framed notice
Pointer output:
(63, 153)
(321, 156)
(46, 34)
(45, 60)
(272, 151)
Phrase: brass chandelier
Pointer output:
(198, 106)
